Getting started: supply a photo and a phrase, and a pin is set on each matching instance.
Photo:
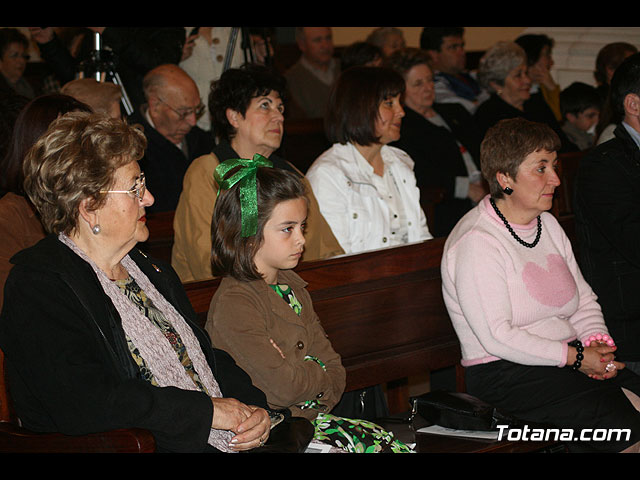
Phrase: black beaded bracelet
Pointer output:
(579, 356)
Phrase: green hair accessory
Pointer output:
(246, 177)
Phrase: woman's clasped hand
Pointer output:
(598, 362)
(250, 424)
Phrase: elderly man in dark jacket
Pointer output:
(169, 120)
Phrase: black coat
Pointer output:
(437, 157)
(607, 209)
(164, 164)
(535, 108)
(68, 363)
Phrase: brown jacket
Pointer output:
(243, 319)
(191, 254)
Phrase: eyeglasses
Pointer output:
(198, 110)
(138, 190)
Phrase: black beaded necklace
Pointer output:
(514, 234)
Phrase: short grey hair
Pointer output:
(496, 64)
(379, 36)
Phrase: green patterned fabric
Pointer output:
(350, 435)
(134, 293)
(287, 294)
(356, 436)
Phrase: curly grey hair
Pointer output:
(497, 62)
(76, 158)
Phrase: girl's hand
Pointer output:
(275, 345)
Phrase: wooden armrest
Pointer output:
(15, 439)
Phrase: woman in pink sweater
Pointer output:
(533, 338)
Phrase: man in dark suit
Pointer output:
(607, 207)
(169, 119)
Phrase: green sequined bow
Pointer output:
(246, 176)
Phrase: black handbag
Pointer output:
(365, 404)
(292, 435)
(459, 411)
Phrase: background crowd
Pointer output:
(403, 125)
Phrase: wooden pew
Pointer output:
(160, 242)
(160, 225)
(390, 295)
(303, 141)
(389, 301)
(384, 314)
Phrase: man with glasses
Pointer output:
(169, 119)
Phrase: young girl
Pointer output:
(262, 314)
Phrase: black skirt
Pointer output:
(564, 399)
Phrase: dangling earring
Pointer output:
(508, 190)
(96, 229)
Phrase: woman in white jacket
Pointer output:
(366, 189)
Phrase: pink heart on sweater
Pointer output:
(554, 286)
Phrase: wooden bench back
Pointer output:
(160, 241)
(383, 311)
(303, 141)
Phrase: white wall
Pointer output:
(576, 48)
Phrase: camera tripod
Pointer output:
(246, 46)
(101, 66)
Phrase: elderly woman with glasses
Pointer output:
(97, 336)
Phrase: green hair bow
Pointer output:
(246, 177)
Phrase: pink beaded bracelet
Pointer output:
(599, 337)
